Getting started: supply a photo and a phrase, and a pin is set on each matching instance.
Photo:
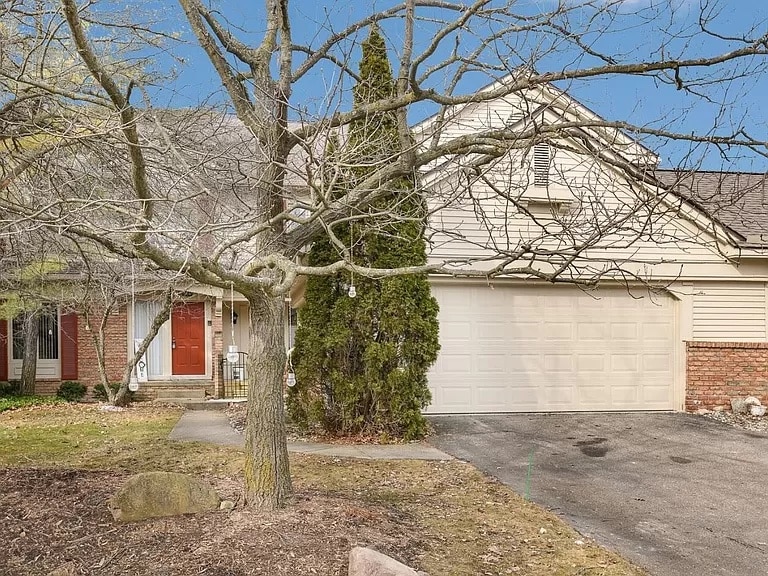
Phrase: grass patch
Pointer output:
(14, 402)
(443, 517)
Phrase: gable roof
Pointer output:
(546, 97)
(738, 200)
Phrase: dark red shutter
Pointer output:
(3, 350)
(69, 346)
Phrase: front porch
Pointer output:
(202, 351)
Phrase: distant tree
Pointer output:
(363, 351)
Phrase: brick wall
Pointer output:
(719, 371)
(217, 350)
(115, 347)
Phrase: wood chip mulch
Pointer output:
(58, 519)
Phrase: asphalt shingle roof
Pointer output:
(738, 200)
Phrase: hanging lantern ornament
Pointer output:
(351, 291)
(232, 352)
(290, 377)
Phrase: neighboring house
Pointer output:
(593, 197)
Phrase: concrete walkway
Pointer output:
(213, 427)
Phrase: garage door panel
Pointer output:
(490, 331)
(657, 332)
(587, 330)
(456, 396)
(624, 396)
(453, 330)
(492, 363)
(489, 396)
(624, 331)
(595, 395)
(657, 363)
(521, 363)
(628, 362)
(558, 331)
(558, 397)
(558, 363)
(590, 363)
(522, 400)
(522, 331)
(456, 363)
(525, 348)
(655, 394)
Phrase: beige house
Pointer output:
(696, 239)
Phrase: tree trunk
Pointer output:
(267, 473)
(29, 361)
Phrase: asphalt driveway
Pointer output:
(677, 494)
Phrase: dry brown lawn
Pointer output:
(60, 464)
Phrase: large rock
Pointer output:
(742, 406)
(367, 562)
(156, 494)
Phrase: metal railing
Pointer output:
(234, 376)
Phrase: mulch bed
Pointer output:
(58, 518)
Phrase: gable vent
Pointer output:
(541, 158)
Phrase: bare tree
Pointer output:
(103, 293)
(232, 200)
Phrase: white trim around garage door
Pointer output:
(514, 346)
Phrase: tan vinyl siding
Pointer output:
(729, 312)
(481, 219)
(590, 199)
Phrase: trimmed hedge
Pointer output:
(71, 391)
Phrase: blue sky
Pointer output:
(636, 29)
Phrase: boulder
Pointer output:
(752, 401)
(738, 406)
(743, 405)
(368, 562)
(157, 494)
(757, 410)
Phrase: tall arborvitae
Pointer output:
(361, 363)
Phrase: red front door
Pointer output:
(188, 339)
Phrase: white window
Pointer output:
(47, 336)
(541, 161)
(48, 364)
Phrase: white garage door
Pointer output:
(544, 348)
